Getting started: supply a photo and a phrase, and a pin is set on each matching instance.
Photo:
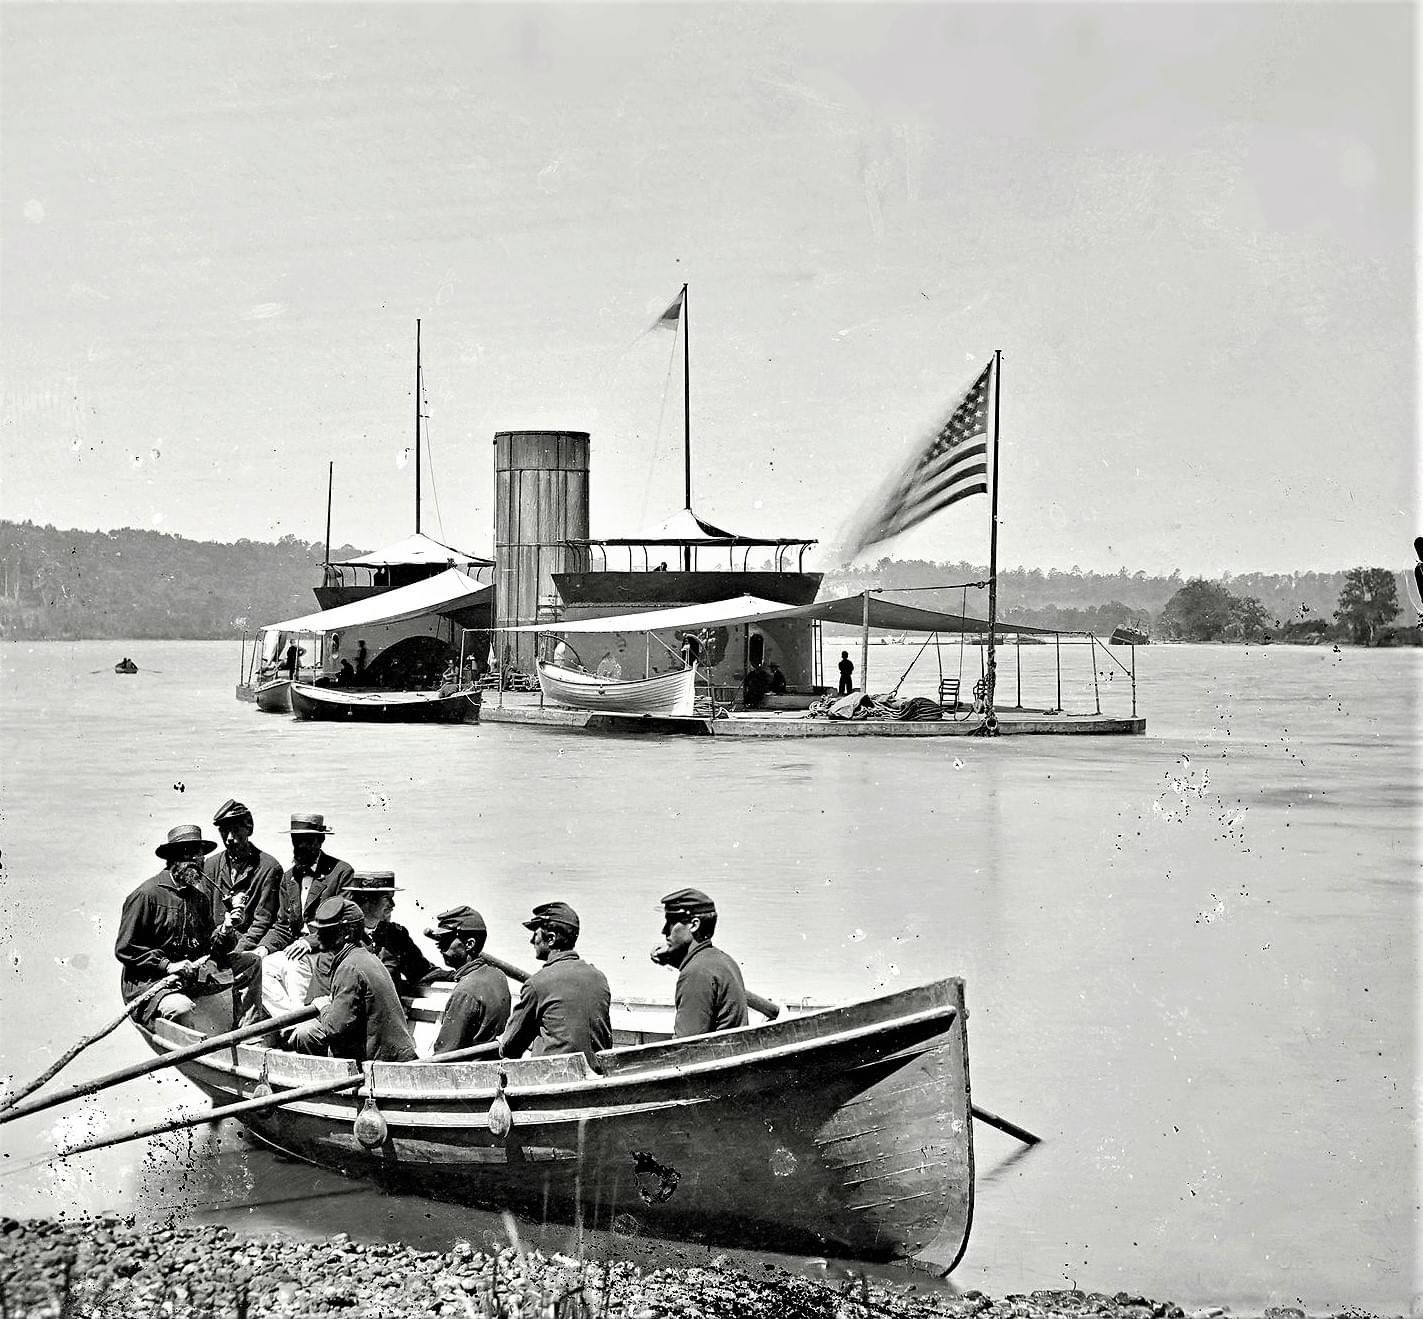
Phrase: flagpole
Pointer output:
(686, 419)
(417, 425)
(990, 722)
(330, 480)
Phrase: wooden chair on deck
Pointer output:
(948, 694)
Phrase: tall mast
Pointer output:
(991, 718)
(417, 425)
(686, 420)
(330, 479)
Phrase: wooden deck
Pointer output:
(525, 709)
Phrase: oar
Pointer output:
(764, 1006)
(489, 1049)
(216, 1114)
(771, 1011)
(153, 991)
(209, 1045)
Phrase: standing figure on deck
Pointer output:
(249, 879)
(711, 994)
(373, 891)
(176, 924)
(565, 1006)
(478, 1006)
(847, 673)
(364, 1020)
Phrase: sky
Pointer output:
(1190, 229)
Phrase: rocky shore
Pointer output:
(118, 1269)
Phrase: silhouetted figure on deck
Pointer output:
(847, 673)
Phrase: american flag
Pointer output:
(669, 318)
(953, 465)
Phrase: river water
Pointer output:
(1191, 957)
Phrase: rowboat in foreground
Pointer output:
(274, 697)
(381, 707)
(843, 1130)
(666, 694)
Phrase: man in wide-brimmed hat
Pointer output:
(373, 891)
(564, 1007)
(711, 994)
(364, 1020)
(175, 924)
(478, 1006)
(249, 879)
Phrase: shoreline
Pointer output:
(113, 1267)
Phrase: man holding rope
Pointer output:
(176, 924)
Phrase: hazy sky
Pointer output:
(1190, 229)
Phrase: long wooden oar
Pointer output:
(764, 1006)
(772, 1011)
(53, 1070)
(216, 1114)
(209, 1045)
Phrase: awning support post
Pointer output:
(865, 644)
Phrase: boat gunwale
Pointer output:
(593, 1082)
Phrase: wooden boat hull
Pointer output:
(666, 694)
(845, 1130)
(274, 697)
(333, 704)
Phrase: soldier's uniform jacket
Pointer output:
(397, 953)
(258, 876)
(329, 877)
(478, 1007)
(407, 965)
(162, 923)
(364, 1020)
(710, 992)
(564, 1008)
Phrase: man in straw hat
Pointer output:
(373, 891)
(364, 1020)
(249, 879)
(313, 877)
(564, 1007)
(478, 1006)
(176, 924)
(711, 994)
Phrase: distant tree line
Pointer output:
(146, 584)
(1360, 605)
(135, 584)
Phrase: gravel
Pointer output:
(119, 1269)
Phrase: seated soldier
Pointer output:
(373, 891)
(364, 1021)
(565, 1005)
(478, 1007)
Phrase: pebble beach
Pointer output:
(115, 1267)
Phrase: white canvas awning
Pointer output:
(416, 549)
(848, 610)
(445, 593)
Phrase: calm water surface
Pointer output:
(1191, 958)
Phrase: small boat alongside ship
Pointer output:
(333, 704)
(844, 1130)
(666, 694)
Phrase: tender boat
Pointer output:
(666, 694)
(125, 666)
(381, 707)
(274, 697)
(842, 1130)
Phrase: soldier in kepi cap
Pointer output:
(478, 1007)
(176, 924)
(564, 1007)
(710, 992)
(364, 1020)
(249, 879)
(373, 891)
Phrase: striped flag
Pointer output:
(669, 318)
(952, 466)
